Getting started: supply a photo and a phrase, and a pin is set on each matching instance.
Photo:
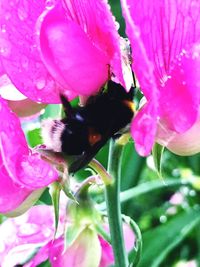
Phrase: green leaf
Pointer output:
(71, 233)
(44, 264)
(52, 111)
(34, 137)
(157, 153)
(158, 242)
(145, 188)
(55, 196)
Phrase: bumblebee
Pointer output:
(85, 130)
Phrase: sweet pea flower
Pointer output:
(53, 46)
(24, 236)
(165, 38)
(29, 240)
(24, 175)
(88, 250)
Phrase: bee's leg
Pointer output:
(87, 156)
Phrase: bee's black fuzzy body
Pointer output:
(86, 129)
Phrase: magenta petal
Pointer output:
(85, 251)
(12, 140)
(107, 257)
(1, 69)
(19, 53)
(27, 170)
(70, 55)
(96, 19)
(35, 173)
(163, 35)
(143, 129)
(11, 194)
(180, 96)
(165, 28)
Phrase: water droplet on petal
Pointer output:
(50, 4)
(7, 15)
(3, 28)
(40, 83)
(22, 13)
(54, 258)
(24, 62)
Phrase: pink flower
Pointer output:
(165, 39)
(28, 240)
(22, 237)
(89, 249)
(59, 45)
(24, 175)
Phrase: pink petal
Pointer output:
(107, 257)
(19, 53)
(11, 194)
(84, 252)
(160, 33)
(143, 127)
(8, 90)
(23, 235)
(24, 168)
(70, 55)
(1, 69)
(12, 138)
(165, 28)
(35, 173)
(96, 19)
(183, 144)
(181, 94)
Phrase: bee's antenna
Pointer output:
(66, 105)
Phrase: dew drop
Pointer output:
(40, 83)
(24, 62)
(50, 174)
(49, 4)
(192, 193)
(4, 47)
(183, 82)
(3, 28)
(7, 16)
(54, 258)
(22, 13)
(163, 219)
(117, 25)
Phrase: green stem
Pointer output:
(114, 206)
